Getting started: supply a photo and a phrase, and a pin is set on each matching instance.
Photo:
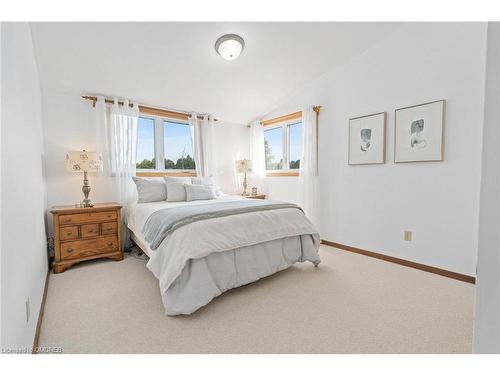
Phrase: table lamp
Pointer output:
(84, 161)
(244, 166)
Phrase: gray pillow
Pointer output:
(199, 192)
(150, 189)
(176, 192)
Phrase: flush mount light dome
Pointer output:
(229, 46)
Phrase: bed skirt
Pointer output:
(204, 279)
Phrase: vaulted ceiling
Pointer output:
(174, 65)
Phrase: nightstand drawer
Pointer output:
(109, 228)
(90, 230)
(84, 248)
(68, 233)
(89, 217)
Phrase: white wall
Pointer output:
(283, 188)
(231, 145)
(487, 322)
(370, 206)
(1, 49)
(69, 124)
(23, 243)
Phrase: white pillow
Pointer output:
(170, 179)
(202, 180)
(199, 192)
(179, 180)
(206, 181)
(150, 189)
(176, 192)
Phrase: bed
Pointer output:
(201, 259)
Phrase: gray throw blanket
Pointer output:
(163, 222)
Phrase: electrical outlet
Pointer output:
(28, 309)
(407, 235)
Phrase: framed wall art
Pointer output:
(419, 132)
(367, 139)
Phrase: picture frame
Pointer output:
(419, 132)
(366, 141)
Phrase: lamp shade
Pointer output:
(83, 161)
(243, 166)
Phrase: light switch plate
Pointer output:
(407, 235)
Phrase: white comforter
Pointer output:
(202, 238)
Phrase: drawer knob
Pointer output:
(110, 243)
(69, 233)
(70, 250)
(91, 231)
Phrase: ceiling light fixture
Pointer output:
(229, 46)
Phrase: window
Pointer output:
(145, 158)
(273, 146)
(164, 139)
(294, 145)
(283, 147)
(177, 146)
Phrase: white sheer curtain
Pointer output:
(194, 127)
(257, 155)
(203, 139)
(308, 173)
(257, 149)
(209, 167)
(117, 135)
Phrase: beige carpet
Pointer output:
(350, 304)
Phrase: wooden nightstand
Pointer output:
(256, 196)
(86, 233)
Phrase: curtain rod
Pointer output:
(147, 109)
(290, 116)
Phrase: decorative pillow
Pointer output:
(202, 180)
(199, 192)
(178, 180)
(150, 189)
(206, 181)
(184, 180)
(176, 192)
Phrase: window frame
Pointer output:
(285, 125)
(154, 144)
(159, 150)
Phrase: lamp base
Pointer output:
(86, 202)
(245, 185)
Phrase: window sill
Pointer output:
(165, 173)
(282, 174)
